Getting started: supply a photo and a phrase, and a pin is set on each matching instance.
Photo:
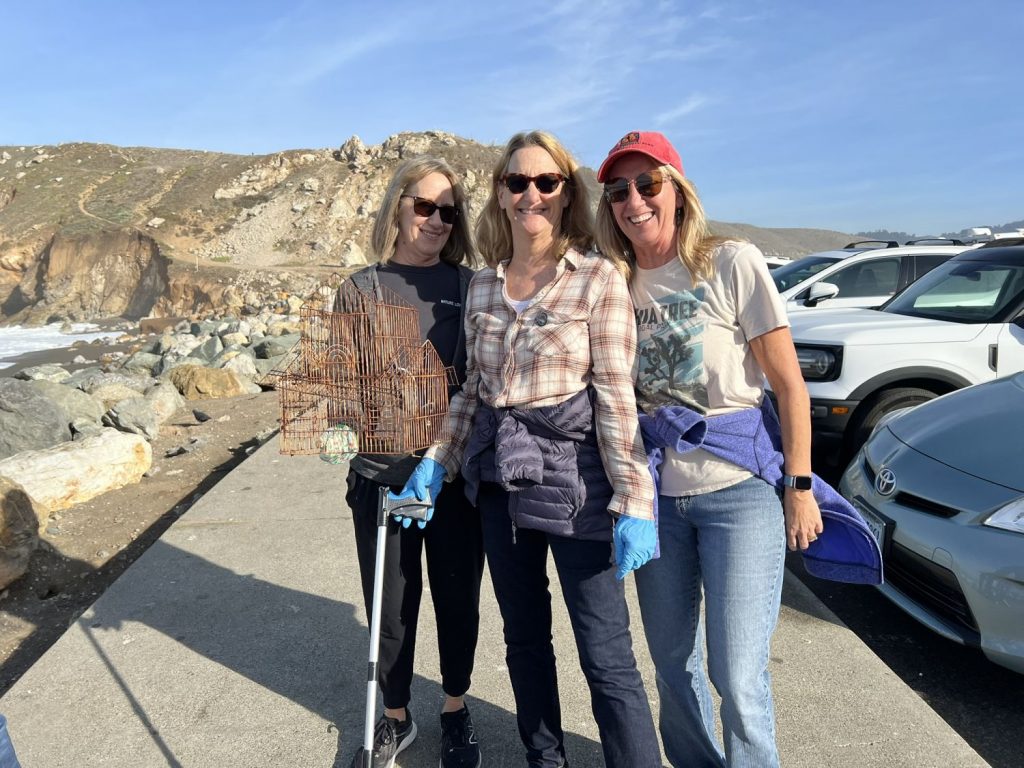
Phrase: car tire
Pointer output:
(880, 404)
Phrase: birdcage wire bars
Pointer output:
(360, 363)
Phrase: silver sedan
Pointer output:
(942, 487)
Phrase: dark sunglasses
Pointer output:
(425, 208)
(647, 185)
(546, 183)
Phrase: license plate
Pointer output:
(874, 522)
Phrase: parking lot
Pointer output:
(980, 700)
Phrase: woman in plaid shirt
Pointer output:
(546, 425)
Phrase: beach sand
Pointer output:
(85, 548)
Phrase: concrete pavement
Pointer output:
(239, 639)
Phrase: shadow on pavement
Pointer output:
(305, 647)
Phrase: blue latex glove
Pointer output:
(635, 540)
(424, 483)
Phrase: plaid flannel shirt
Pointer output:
(578, 330)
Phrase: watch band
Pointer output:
(798, 482)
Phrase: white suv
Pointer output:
(857, 277)
(961, 324)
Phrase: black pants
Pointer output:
(455, 563)
(596, 602)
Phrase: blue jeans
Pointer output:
(732, 543)
(596, 602)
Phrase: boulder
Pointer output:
(208, 350)
(181, 344)
(243, 364)
(198, 383)
(21, 519)
(158, 324)
(144, 415)
(28, 419)
(275, 346)
(110, 394)
(172, 360)
(83, 428)
(68, 474)
(141, 362)
(165, 400)
(90, 379)
(133, 415)
(77, 404)
(276, 363)
(284, 328)
(238, 339)
(45, 372)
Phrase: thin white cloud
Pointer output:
(328, 59)
(695, 51)
(692, 104)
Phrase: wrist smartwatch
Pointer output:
(797, 482)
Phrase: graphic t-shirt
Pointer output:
(694, 350)
(434, 292)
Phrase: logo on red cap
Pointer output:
(633, 137)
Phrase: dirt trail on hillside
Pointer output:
(87, 194)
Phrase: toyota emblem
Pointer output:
(885, 482)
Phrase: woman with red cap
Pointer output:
(710, 329)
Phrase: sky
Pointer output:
(852, 116)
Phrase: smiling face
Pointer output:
(648, 222)
(422, 238)
(531, 213)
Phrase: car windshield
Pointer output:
(962, 292)
(787, 276)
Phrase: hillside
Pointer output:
(91, 230)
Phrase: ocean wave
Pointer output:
(17, 340)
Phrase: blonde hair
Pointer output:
(576, 230)
(695, 245)
(459, 248)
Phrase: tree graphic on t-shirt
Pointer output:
(665, 355)
(671, 351)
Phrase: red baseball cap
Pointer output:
(650, 143)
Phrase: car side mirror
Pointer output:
(820, 292)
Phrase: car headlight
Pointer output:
(819, 363)
(1010, 516)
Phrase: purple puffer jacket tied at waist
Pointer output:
(752, 439)
(548, 460)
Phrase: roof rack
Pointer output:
(934, 241)
(872, 244)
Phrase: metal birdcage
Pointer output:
(361, 365)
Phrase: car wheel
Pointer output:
(885, 401)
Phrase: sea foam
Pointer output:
(16, 340)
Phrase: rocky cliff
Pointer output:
(90, 231)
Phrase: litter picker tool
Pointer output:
(386, 507)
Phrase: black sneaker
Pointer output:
(390, 736)
(458, 740)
